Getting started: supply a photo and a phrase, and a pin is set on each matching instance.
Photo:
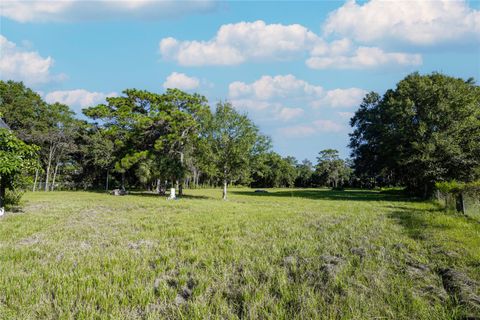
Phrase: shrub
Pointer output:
(13, 196)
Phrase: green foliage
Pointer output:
(455, 187)
(13, 196)
(425, 130)
(305, 171)
(270, 170)
(234, 141)
(331, 170)
(163, 128)
(16, 158)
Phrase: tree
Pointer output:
(16, 157)
(273, 171)
(304, 174)
(332, 170)
(424, 130)
(51, 127)
(154, 129)
(232, 137)
(186, 115)
(98, 150)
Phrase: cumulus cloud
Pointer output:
(268, 87)
(235, 43)
(363, 58)
(181, 81)
(257, 41)
(286, 98)
(317, 126)
(271, 91)
(80, 10)
(414, 22)
(78, 98)
(20, 64)
(341, 98)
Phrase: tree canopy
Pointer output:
(427, 129)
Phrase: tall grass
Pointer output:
(286, 254)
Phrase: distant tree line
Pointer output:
(424, 131)
(145, 140)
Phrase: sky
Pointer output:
(298, 69)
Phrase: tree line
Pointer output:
(146, 140)
(424, 131)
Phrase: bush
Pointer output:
(13, 197)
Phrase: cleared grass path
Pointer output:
(285, 254)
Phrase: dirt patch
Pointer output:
(183, 296)
(331, 266)
(418, 270)
(358, 251)
(137, 245)
(30, 241)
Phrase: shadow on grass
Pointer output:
(323, 194)
(156, 195)
(416, 222)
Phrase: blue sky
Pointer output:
(299, 69)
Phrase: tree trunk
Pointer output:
(2, 194)
(49, 163)
(54, 177)
(35, 182)
(180, 186)
(224, 189)
(123, 181)
(106, 182)
(194, 178)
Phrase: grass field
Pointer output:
(306, 254)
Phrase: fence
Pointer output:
(460, 197)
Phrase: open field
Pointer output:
(287, 254)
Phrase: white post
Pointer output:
(172, 194)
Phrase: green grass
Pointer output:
(306, 254)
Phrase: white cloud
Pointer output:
(341, 98)
(272, 92)
(181, 81)
(317, 126)
(286, 114)
(257, 41)
(79, 98)
(79, 10)
(285, 98)
(268, 87)
(236, 43)
(19, 64)
(413, 22)
(364, 57)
